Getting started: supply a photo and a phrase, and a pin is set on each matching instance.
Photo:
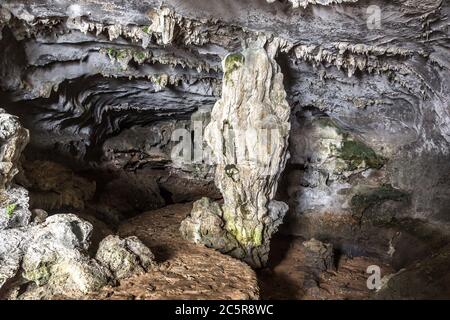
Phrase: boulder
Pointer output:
(13, 199)
(125, 257)
(13, 139)
(51, 258)
(14, 212)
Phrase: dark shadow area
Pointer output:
(275, 285)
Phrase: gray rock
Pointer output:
(319, 256)
(51, 255)
(13, 139)
(13, 199)
(39, 215)
(125, 257)
(11, 254)
(14, 212)
(206, 225)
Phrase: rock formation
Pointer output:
(248, 135)
(13, 139)
(48, 257)
(55, 186)
(105, 86)
(124, 257)
(13, 198)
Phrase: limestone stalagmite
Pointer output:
(248, 135)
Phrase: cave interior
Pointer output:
(116, 97)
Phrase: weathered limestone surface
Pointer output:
(14, 210)
(48, 257)
(385, 87)
(52, 257)
(13, 139)
(248, 136)
(13, 199)
(124, 257)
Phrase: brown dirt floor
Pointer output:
(189, 271)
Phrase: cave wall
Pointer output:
(102, 86)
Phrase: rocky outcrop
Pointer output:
(340, 189)
(54, 186)
(51, 260)
(124, 257)
(13, 198)
(248, 135)
(48, 257)
(13, 139)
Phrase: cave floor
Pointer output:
(185, 270)
(287, 276)
(189, 271)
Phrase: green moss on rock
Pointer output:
(40, 275)
(245, 234)
(122, 54)
(162, 80)
(146, 29)
(326, 122)
(356, 153)
(139, 56)
(10, 209)
(232, 63)
(378, 195)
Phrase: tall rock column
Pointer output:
(248, 136)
